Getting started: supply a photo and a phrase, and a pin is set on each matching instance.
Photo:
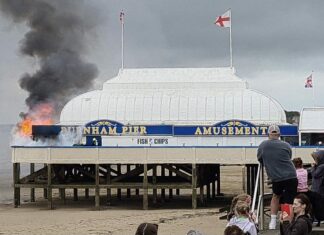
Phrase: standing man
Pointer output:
(275, 155)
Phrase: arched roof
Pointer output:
(182, 96)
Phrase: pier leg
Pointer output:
(49, 187)
(45, 189)
(218, 180)
(162, 190)
(75, 194)
(128, 192)
(177, 190)
(119, 173)
(86, 193)
(170, 190)
(145, 189)
(201, 195)
(62, 195)
(97, 196)
(16, 177)
(194, 187)
(32, 190)
(208, 191)
(214, 188)
(108, 182)
(154, 183)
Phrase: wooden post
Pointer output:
(162, 190)
(62, 194)
(177, 190)
(194, 187)
(154, 183)
(86, 193)
(218, 180)
(75, 194)
(201, 197)
(208, 190)
(108, 182)
(16, 177)
(119, 173)
(214, 184)
(128, 192)
(32, 190)
(49, 187)
(45, 189)
(145, 189)
(97, 196)
(137, 190)
(170, 190)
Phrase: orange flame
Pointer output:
(41, 114)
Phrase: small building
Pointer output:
(311, 126)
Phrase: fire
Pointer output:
(41, 114)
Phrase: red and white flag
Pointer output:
(121, 17)
(224, 20)
(309, 81)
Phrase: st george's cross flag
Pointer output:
(224, 20)
(309, 81)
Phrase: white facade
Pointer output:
(181, 96)
(311, 121)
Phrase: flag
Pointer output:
(121, 17)
(309, 81)
(224, 20)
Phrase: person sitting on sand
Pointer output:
(147, 229)
(194, 232)
(239, 198)
(242, 219)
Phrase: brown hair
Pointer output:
(147, 229)
(303, 199)
(298, 162)
(233, 230)
(242, 208)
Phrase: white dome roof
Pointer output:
(181, 96)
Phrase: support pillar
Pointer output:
(49, 187)
(145, 188)
(154, 183)
(32, 190)
(16, 178)
(108, 179)
(97, 189)
(194, 187)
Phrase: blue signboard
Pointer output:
(225, 128)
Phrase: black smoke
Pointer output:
(56, 38)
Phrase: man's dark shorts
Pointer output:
(287, 189)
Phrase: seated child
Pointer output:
(242, 219)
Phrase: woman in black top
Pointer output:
(300, 223)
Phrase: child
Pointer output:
(242, 219)
(301, 175)
(239, 198)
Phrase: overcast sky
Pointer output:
(276, 45)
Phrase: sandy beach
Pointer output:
(122, 217)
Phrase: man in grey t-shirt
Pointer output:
(275, 155)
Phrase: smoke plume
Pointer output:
(58, 29)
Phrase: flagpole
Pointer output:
(231, 51)
(314, 103)
(122, 39)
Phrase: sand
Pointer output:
(120, 218)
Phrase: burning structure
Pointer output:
(56, 39)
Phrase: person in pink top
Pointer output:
(301, 175)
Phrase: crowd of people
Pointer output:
(290, 193)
